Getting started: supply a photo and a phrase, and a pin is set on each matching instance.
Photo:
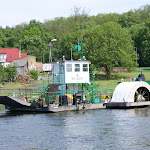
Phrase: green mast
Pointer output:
(80, 49)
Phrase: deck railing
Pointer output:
(59, 97)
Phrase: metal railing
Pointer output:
(57, 98)
(93, 93)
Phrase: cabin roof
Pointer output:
(73, 61)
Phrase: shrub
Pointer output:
(34, 74)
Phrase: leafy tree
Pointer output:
(33, 37)
(34, 74)
(67, 42)
(86, 25)
(128, 19)
(32, 41)
(2, 40)
(144, 12)
(141, 36)
(3, 75)
(103, 18)
(110, 46)
(11, 72)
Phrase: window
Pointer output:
(10, 56)
(69, 67)
(77, 67)
(85, 67)
(2, 55)
(61, 68)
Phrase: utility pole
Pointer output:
(50, 55)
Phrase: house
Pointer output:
(32, 64)
(21, 66)
(7, 55)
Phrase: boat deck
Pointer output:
(16, 104)
(126, 105)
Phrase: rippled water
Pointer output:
(81, 130)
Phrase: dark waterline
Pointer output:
(81, 130)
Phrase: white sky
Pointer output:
(14, 12)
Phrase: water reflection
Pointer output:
(141, 111)
(7, 113)
(93, 129)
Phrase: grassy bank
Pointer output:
(102, 80)
(31, 85)
(17, 85)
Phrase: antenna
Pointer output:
(80, 50)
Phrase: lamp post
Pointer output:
(50, 55)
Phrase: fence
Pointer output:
(7, 91)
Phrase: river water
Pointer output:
(104, 129)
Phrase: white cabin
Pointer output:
(68, 71)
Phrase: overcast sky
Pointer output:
(14, 12)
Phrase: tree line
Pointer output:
(113, 40)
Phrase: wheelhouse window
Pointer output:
(85, 67)
(61, 68)
(77, 67)
(69, 67)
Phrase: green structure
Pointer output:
(69, 84)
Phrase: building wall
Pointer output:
(32, 64)
(64, 74)
(39, 66)
(21, 70)
(77, 77)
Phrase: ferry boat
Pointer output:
(69, 87)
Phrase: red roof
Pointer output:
(12, 53)
(23, 54)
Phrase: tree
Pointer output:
(3, 74)
(2, 40)
(110, 46)
(32, 41)
(103, 18)
(128, 19)
(144, 12)
(141, 36)
(67, 42)
(11, 72)
(34, 74)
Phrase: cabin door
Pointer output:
(61, 73)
